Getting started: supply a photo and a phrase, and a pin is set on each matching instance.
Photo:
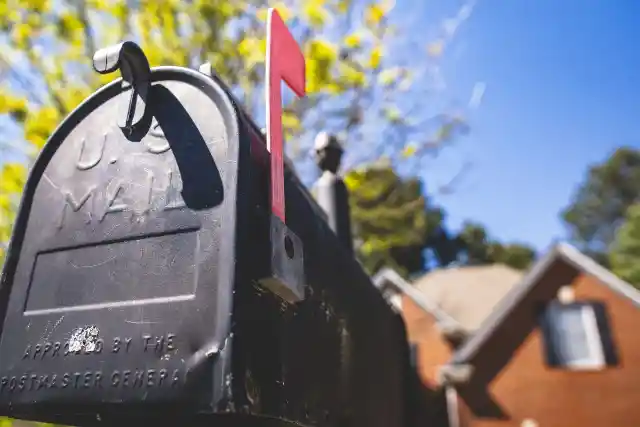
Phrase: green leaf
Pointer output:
(625, 250)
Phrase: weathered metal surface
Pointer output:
(131, 287)
(121, 269)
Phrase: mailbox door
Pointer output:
(119, 280)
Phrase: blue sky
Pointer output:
(562, 91)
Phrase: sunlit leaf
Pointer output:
(392, 113)
(374, 13)
(389, 76)
(343, 5)
(375, 57)
(253, 49)
(352, 77)
(315, 13)
(21, 34)
(290, 121)
(409, 150)
(353, 40)
(13, 105)
(12, 178)
(320, 57)
(39, 125)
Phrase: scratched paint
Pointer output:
(85, 338)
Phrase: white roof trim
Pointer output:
(589, 266)
(570, 255)
(388, 275)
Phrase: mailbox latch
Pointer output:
(130, 59)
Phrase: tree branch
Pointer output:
(90, 46)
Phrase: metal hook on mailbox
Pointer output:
(135, 70)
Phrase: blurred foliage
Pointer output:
(12, 178)
(392, 220)
(625, 250)
(516, 255)
(352, 80)
(600, 204)
(8, 422)
(477, 248)
(396, 226)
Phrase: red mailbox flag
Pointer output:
(284, 62)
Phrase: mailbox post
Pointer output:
(331, 192)
(166, 265)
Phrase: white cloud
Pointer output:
(476, 95)
(451, 25)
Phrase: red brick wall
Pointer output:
(526, 388)
(433, 350)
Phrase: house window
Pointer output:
(577, 336)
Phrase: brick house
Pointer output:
(556, 346)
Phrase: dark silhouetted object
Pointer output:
(330, 191)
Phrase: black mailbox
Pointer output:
(135, 279)
(121, 272)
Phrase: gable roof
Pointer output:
(558, 266)
(562, 253)
(468, 294)
(391, 277)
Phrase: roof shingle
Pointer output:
(468, 294)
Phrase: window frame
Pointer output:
(597, 332)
